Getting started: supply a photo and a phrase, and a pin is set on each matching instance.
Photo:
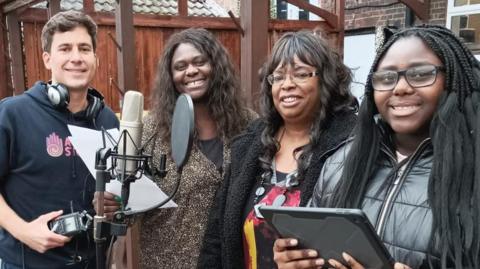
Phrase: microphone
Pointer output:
(128, 163)
(183, 124)
(131, 128)
(129, 158)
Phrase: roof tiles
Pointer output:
(207, 8)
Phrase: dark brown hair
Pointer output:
(67, 21)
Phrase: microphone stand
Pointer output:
(103, 177)
(102, 229)
(126, 181)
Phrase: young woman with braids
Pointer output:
(413, 166)
(193, 62)
(307, 113)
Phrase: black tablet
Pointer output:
(331, 231)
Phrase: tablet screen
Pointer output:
(331, 231)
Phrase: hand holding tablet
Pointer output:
(331, 232)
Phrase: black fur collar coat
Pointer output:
(222, 244)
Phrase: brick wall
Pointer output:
(392, 15)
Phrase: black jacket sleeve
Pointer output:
(211, 251)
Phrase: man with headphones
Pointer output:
(41, 176)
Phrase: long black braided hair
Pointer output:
(453, 189)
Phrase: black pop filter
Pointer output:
(183, 123)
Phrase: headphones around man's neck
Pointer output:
(58, 95)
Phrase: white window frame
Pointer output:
(461, 10)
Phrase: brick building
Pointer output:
(462, 16)
(360, 14)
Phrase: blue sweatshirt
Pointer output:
(40, 172)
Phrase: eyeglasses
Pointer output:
(418, 76)
(297, 77)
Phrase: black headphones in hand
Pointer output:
(58, 95)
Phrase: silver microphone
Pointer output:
(131, 122)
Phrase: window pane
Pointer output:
(467, 27)
(281, 9)
(458, 3)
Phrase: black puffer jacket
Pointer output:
(396, 201)
(222, 247)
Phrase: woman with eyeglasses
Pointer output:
(307, 113)
(414, 164)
